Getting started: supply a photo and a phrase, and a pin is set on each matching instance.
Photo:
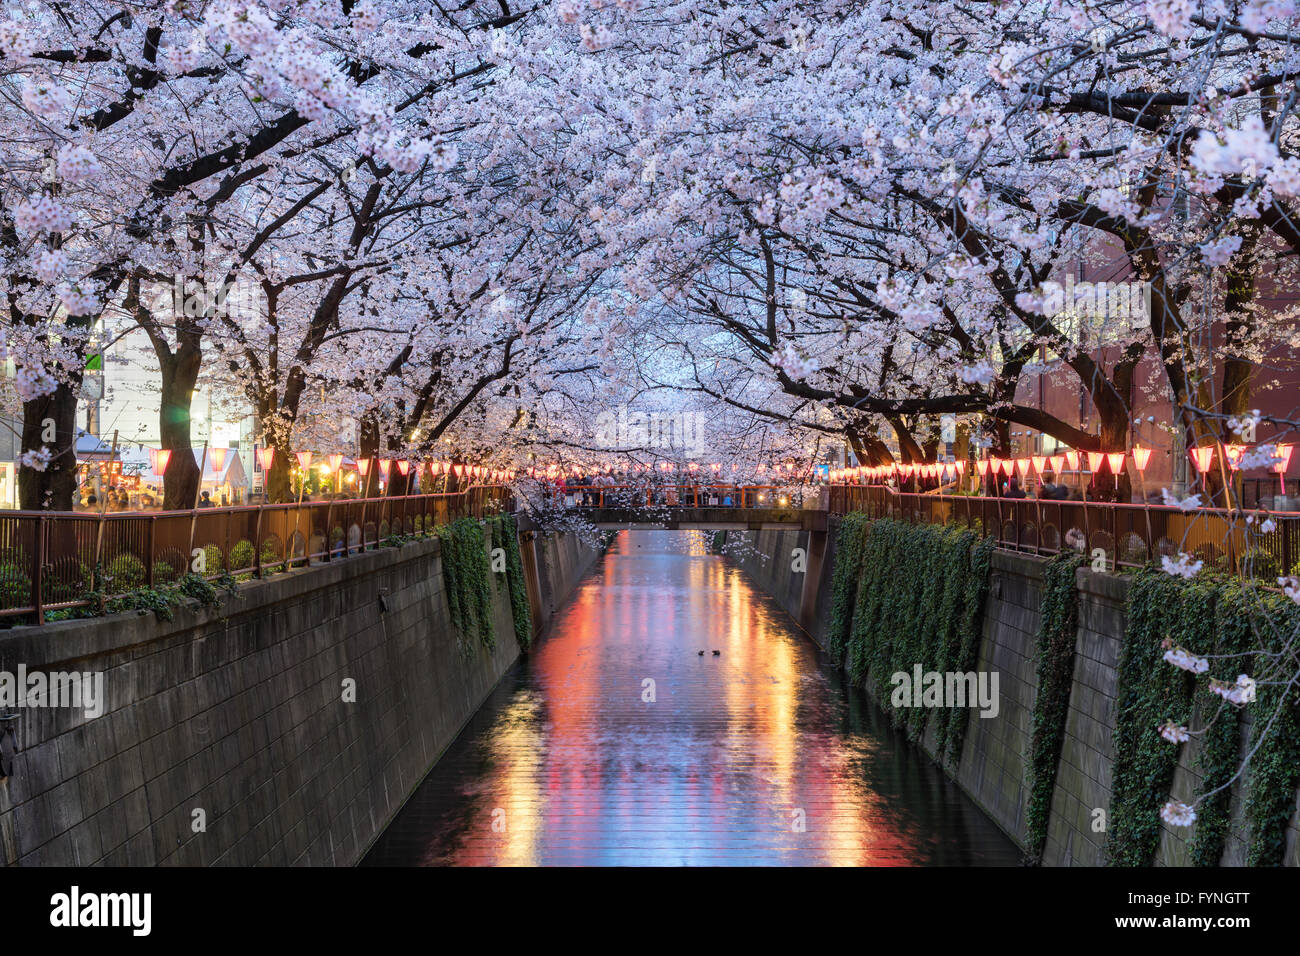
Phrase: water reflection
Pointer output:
(756, 755)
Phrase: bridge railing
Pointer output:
(49, 560)
(1129, 535)
(677, 495)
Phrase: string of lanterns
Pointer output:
(1202, 457)
(555, 472)
(386, 466)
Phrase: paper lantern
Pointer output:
(217, 459)
(1283, 455)
(1203, 457)
(161, 457)
(1058, 464)
(335, 462)
(1095, 458)
(384, 465)
(960, 465)
(1116, 460)
(1022, 466)
(1072, 459)
(1232, 452)
(266, 458)
(1140, 457)
(304, 459)
(404, 467)
(1040, 462)
(982, 466)
(363, 466)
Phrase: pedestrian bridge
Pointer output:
(689, 507)
(703, 519)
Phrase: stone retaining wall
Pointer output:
(237, 714)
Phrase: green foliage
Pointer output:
(241, 555)
(466, 574)
(1150, 692)
(213, 559)
(505, 535)
(965, 644)
(850, 540)
(1224, 618)
(15, 585)
(1217, 759)
(125, 572)
(919, 600)
(163, 599)
(1274, 769)
(1055, 656)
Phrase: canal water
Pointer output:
(614, 742)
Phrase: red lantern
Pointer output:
(363, 466)
(1203, 456)
(336, 462)
(1058, 464)
(304, 459)
(217, 459)
(1283, 453)
(1095, 459)
(161, 457)
(1140, 457)
(982, 466)
(1232, 452)
(266, 458)
(1116, 460)
(404, 467)
(1072, 459)
(384, 465)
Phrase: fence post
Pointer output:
(1114, 538)
(150, 541)
(38, 560)
(257, 540)
(1289, 528)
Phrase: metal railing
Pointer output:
(56, 560)
(1130, 535)
(684, 495)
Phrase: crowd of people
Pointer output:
(667, 490)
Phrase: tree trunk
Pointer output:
(55, 488)
(279, 488)
(181, 480)
(369, 442)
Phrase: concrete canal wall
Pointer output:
(227, 736)
(993, 769)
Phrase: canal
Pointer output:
(615, 742)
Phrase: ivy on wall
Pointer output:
(850, 540)
(1218, 757)
(465, 575)
(505, 535)
(965, 645)
(1054, 651)
(918, 601)
(1274, 771)
(1221, 618)
(1150, 692)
